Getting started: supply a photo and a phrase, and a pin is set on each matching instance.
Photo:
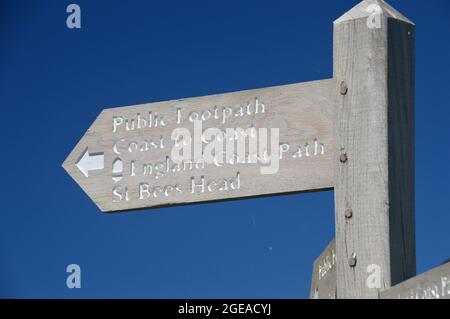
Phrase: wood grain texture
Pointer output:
(374, 126)
(323, 281)
(302, 112)
(434, 284)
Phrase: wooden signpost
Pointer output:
(434, 284)
(353, 133)
(124, 160)
(323, 283)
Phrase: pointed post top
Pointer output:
(367, 8)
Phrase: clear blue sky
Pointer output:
(55, 81)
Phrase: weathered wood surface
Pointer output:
(374, 161)
(302, 112)
(434, 284)
(323, 283)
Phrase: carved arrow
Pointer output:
(90, 162)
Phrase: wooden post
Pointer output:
(374, 162)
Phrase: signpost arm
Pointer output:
(374, 162)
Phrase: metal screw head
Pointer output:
(352, 260)
(343, 158)
(348, 213)
(344, 88)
